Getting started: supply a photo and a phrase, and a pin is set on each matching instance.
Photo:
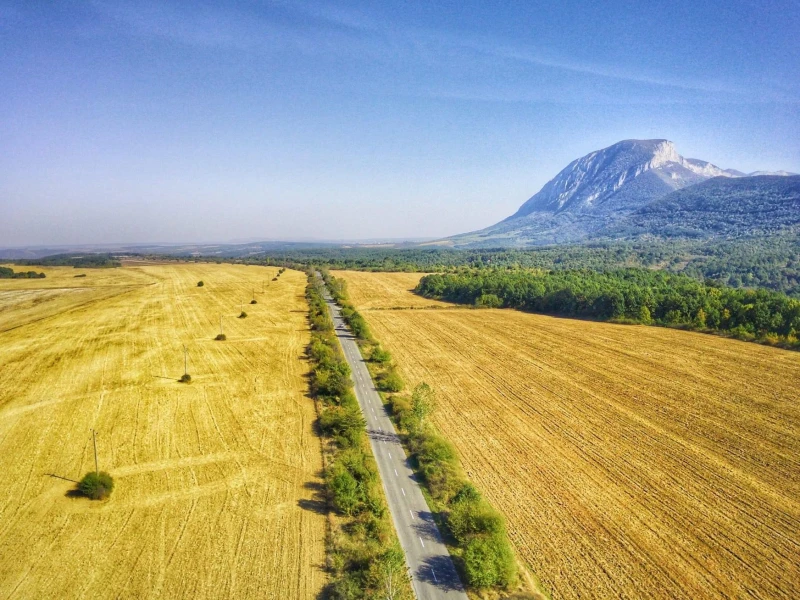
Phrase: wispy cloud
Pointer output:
(329, 31)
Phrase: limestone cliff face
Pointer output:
(589, 182)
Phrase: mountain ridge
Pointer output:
(717, 207)
(596, 191)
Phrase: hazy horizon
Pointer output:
(145, 123)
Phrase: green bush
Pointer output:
(467, 493)
(343, 424)
(468, 519)
(399, 405)
(221, 337)
(243, 315)
(96, 485)
(489, 301)
(185, 378)
(332, 383)
(381, 356)
(345, 489)
(389, 381)
(489, 561)
(354, 483)
(200, 284)
(253, 301)
(438, 464)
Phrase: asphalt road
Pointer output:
(433, 575)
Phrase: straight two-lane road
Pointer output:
(433, 574)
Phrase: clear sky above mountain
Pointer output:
(159, 122)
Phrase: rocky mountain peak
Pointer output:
(591, 181)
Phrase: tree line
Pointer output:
(91, 260)
(6, 273)
(627, 295)
(771, 262)
(364, 556)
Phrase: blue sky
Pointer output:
(192, 122)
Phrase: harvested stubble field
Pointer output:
(630, 461)
(214, 480)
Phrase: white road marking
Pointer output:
(371, 399)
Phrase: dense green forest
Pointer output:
(84, 261)
(633, 295)
(721, 207)
(6, 273)
(769, 262)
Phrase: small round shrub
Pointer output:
(253, 301)
(96, 485)
(243, 315)
(379, 355)
(389, 381)
(489, 561)
(185, 378)
(200, 284)
(274, 279)
(467, 493)
(221, 337)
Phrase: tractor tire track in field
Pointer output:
(210, 477)
(629, 461)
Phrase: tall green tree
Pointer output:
(423, 403)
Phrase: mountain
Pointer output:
(606, 178)
(594, 192)
(720, 208)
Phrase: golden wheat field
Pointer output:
(213, 480)
(631, 462)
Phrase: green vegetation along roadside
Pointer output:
(364, 556)
(628, 295)
(474, 530)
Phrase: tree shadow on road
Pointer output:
(425, 527)
(383, 436)
(439, 571)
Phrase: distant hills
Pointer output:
(644, 187)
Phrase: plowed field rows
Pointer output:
(631, 462)
(213, 479)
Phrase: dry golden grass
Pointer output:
(214, 480)
(630, 462)
(371, 290)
